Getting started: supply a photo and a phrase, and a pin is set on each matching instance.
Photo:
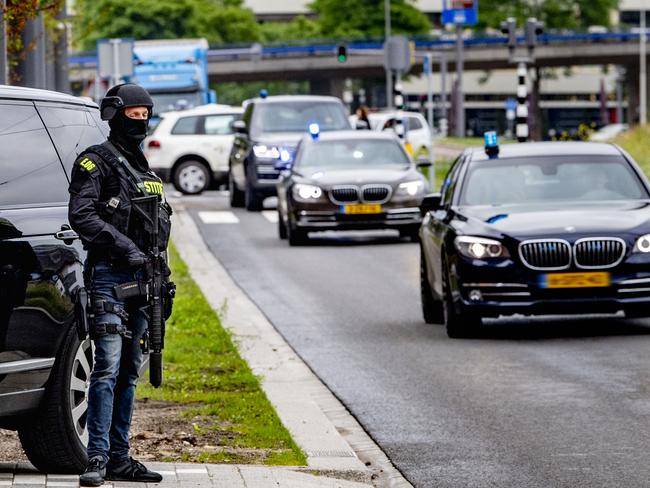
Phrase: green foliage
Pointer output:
(365, 18)
(298, 29)
(556, 14)
(219, 21)
(635, 141)
(204, 372)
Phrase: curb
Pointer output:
(330, 436)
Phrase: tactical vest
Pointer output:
(134, 183)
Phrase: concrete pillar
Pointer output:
(633, 96)
(32, 70)
(327, 86)
(61, 75)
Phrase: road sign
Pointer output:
(460, 12)
(115, 58)
(397, 54)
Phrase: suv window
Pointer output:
(72, 129)
(414, 123)
(220, 125)
(295, 116)
(30, 170)
(186, 126)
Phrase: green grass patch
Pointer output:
(204, 372)
(635, 141)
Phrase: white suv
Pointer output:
(190, 148)
(419, 134)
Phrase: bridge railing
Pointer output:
(328, 48)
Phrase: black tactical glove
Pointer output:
(135, 257)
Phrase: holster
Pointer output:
(169, 292)
(81, 305)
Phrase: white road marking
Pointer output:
(218, 217)
(271, 216)
(166, 473)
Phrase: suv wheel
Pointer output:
(431, 308)
(191, 177)
(252, 199)
(55, 438)
(460, 325)
(236, 195)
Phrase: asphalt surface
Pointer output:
(559, 402)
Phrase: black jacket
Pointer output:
(100, 202)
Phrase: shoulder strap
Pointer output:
(134, 178)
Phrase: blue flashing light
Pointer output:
(491, 144)
(285, 156)
(314, 130)
(264, 93)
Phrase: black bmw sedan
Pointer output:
(349, 180)
(541, 228)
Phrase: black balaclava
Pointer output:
(126, 132)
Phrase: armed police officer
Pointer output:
(106, 182)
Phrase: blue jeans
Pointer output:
(115, 370)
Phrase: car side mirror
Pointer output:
(239, 127)
(423, 163)
(431, 203)
(361, 125)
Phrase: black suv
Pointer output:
(269, 132)
(44, 368)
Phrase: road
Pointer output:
(560, 402)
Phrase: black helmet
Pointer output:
(123, 96)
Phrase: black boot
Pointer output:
(94, 474)
(131, 470)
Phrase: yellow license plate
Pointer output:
(360, 209)
(575, 280)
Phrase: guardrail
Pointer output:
(326, 49)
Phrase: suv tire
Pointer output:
(254, 203)
(236, 195)
(54, 437)
(191, 177)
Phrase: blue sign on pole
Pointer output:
(460, 12)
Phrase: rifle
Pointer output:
(147, 209)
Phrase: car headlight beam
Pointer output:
(480, 248)
(411, 188)
(643, 244)
(305, 192)
(262, 151)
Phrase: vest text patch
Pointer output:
(153, 187)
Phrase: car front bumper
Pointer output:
(491, 292)
(395, 218)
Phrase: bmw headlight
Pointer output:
(411, 188)
(266, 152)
(642, 244)
(480, 248)
(304, 192)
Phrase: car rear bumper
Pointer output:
(401, 219)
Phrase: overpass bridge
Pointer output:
(318, 64)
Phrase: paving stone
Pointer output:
(29, 479)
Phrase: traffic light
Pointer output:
(534, 28)
(509, 28)
(342, 53)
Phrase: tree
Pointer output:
(556, 14)
(219, 21)
(299, 29)
(365, 18)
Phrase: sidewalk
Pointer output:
(183, 475)
(337, 447)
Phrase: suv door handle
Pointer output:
(66, 234)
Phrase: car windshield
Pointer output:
(297, 116)
(353, 154)
(551, 179)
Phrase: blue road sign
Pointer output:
(460, 12)
(426, 65)
(511, 104)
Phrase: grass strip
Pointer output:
(635, 141)
(203, 371)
